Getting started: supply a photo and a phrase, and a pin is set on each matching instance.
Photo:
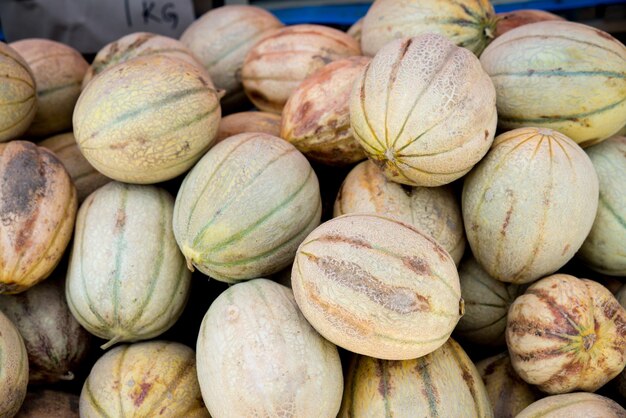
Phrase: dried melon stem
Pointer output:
(191, 256)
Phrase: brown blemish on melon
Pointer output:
(417, 265)
(23, 183)
(507, 218)
(145, 388)
(120, 221)
(565, 249)
(355, 242)
(603, 34)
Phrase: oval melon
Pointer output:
(127, 280)
(511, 20)
(529, 204)
(49, 404)
(424, 110)
(287, 368)
(13, 368)
(587, 405)
(376, 286)
(244, 122)
(560, 75)
(37, 212)
(566, 334)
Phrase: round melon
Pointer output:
(58, 70)
(222, 37)
(37, 213)
(560, 75)
(140, 44)
(604, 249)
(377, 287)
(285, 366)
(508, 393)
(56, 344)
(444, 383)
(13, 368)
(49, 404)
(18, 97)
(127, 280)
(424, 110)
(566, 334)
(278, 63)
(356, 30)
(487, 302)
(156, 378)
(529, 205)
(243, 122)
(434, 210)
(468, 24)
(588, 405)
(147, 120)
(86, 178)
(511, 20)
(316, 118)
(245, 207)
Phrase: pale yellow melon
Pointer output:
(244, 122)
(529, 204)
(424, 110)
(356, 30)
(588, 405)
(13, 368)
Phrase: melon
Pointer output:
(445, 383)
(86, 178)
(566, 334)
(13, 368)
(433, 210)
(424, 110)
(243, 122)
(316, 118)
(529, 204)
(222, 37)
(254, 336)
(56, 344)
(127, 280)
(377, 287)
(621, 378)
(156, 378)
(278, 63)
(245, 207)
(356, 30)
(140, 44)
(604, 249)
(487, 302)
(468, 24)
(508, 393)
(147, 120)
(18, 95)
(560, 75)
(58, 70)
(511, 20)
(49, 404)
(37, 212)
(588, 405)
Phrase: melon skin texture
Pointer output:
(377, 287)
(56, 344)
(566, 334)
(259, 357)
(588, 405)
(245, 207)
(244, 122)
(127, 280)
(37, 213)
(49, 404)
(13, 368)
(560, 75)
(508, 393)
(445, 383)
(511, 20)
(604, 249)
(149, 379)
(621, 378)
(424, 110)
(140, 44)
(278, 63)
(221, 39)
(316, 118)
(356, 30)
(18, 95)
(86, 178)
(487, 302)
(147, 120)
(433, 210)
(467, 24)
(58, 70)
(529, 204)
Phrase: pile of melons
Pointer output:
(437, 171)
